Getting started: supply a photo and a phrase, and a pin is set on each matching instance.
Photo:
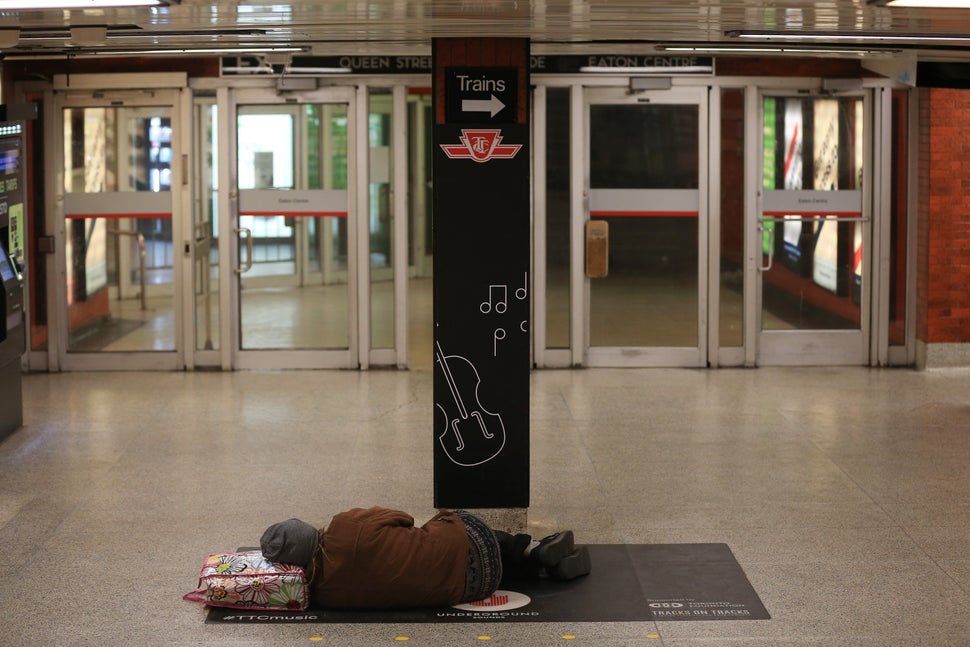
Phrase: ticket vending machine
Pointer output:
(12, 340)
(13, 191)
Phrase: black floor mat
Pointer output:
(99, 334)
(635, 582)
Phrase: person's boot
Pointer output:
(575, 564)
(553, 549)
(512, 547)
(515, 564)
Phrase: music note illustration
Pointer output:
(523, 292)
(497, 336)
(499, 303)
(469, 433)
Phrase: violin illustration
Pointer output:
(471, 435)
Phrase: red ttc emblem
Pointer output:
(481, 146)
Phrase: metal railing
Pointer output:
(140, 239)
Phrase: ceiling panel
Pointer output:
(399, 26)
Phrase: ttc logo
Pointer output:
(481, 146)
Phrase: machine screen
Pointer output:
(6, 270)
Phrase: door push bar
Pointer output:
(793, 218)
(249, 249)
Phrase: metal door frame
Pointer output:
(112, 91)
(583, 353)
(807, 347)
(229, 99)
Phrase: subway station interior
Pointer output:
(747, 320)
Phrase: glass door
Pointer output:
(292, 218)
(117, 194)
(646, 207)
(420, 258)
(206, 319)
(812, 231)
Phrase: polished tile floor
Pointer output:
(843, 493)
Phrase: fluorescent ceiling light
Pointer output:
(773, 50)
(289, 71)
(923, 4)
(133, 31)
(80, 4)
(845, 36)
(100, 53)
(318, 70)
(196, 50)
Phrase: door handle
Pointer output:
(597, 248)
(771, 247)
(249, 249)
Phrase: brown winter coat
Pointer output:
(376, 558)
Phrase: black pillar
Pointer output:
(481, 272)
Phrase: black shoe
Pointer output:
(512, 547)
(553, 549)
(574, 565)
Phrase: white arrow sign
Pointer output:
(492, 106)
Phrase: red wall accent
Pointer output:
(767, 66)
(943, 230)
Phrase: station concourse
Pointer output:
(696, 269)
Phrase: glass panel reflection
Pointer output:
(899, 218)
(266, 161)
(731, 290)
(557, 217)
(119, 263)
(420, 198)
(296, 294)
(380, 218)
(815, 254)
(650, 295)
(205, 221)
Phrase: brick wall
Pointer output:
(943, 261)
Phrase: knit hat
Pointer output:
(291, 542)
